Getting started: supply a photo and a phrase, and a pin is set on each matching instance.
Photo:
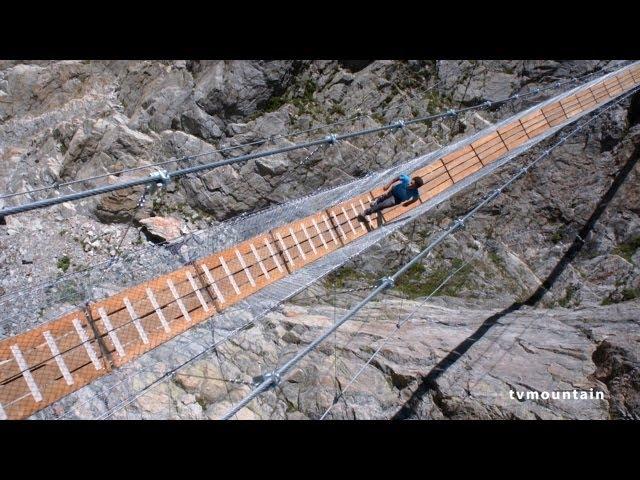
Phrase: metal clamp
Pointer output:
(451, 112)
(388, 282)
(274, 378)
(331, 138)
(458, 224)
(495, 194)
(488, 103)
(399, 124)
(161, 177)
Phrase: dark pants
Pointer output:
(380, 203)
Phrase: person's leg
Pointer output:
(380, 204)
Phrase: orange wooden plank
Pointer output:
(535, 123)
(586, 99)
(571, 106)
(613, 86)
(554, 114)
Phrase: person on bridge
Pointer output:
(405, 191)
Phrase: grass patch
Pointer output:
(495, 258)
(67, 292)
(343, 275)
(557, 235)
(435, 102)
(627, 294)
(378, 118)
(63, 263)
(568, 296)
(274, 103)
(304, 102)
(336, 110)
(418, 283)
(627, 249)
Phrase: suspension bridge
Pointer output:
(46, 363)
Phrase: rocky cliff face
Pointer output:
(62, 121)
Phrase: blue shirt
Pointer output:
(401, 192)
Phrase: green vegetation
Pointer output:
(627, 249)
(340, 278)
(566, 300)
(418, 283)
(336, 110)
(305, 102)
(63, 263)
(70, 292)
(627, 294)
(630, 294)
(557, 235)
(378, 118)
(495, 258)
(274, 103)
(201, 401)
(435, 102)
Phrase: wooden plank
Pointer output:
(348, 226)
(571, 106)
(599, 92)
(626, 80)
(586, 99)
(156, 334)
(488, 150)
(554, 114)
(36, 352)
(458, 157)
(236, 275)
(311, 236)
(514, 135)
(115, 309)
(43, 368)
(137, 294)
(535, 123)
(467, 171)
(25, 406)
(430, 171)
(613, 86)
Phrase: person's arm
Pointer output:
(413, 200)
(390, 184)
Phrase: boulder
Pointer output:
(160, 229)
